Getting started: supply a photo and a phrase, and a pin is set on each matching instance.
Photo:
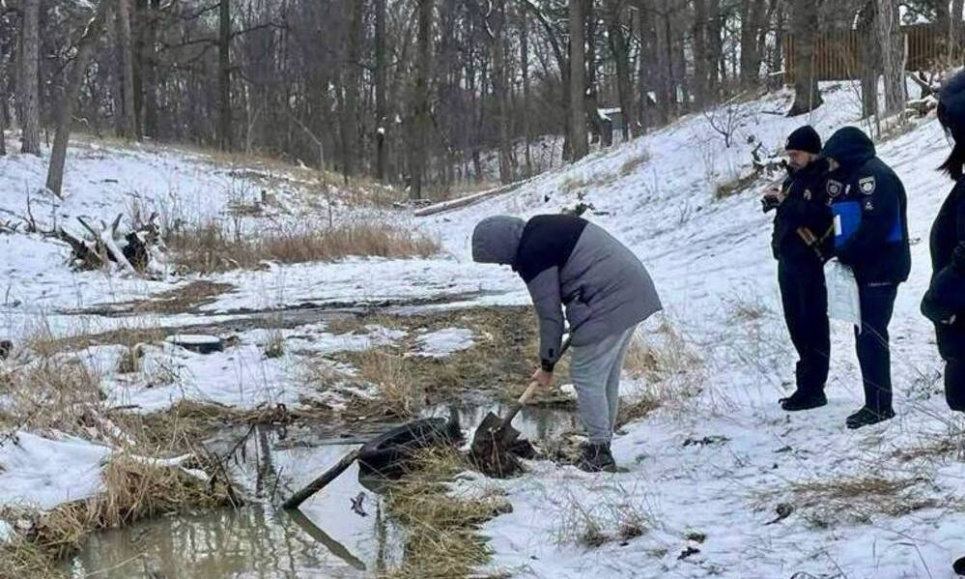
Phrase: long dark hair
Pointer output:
(954, 165)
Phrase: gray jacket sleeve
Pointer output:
(545, 291)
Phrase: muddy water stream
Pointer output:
(342, 531)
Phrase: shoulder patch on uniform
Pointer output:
(808, 195)
(867, 185)
(833, 187)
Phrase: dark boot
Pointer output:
(867, 416)
(597, 458)
(959, 566)
(804, 401)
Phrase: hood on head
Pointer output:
(951, 105)
(850, 147)
(496, 239)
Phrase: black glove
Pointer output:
(770, 202)
(937, 314)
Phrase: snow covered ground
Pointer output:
(722, 484)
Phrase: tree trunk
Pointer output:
(715, 48)
(420, 146)
(128, 123)
(701, 72)
(149, 68)
(645, 61)
(591, 100)
(86, 48)
(804, 26)
(350, 73)
(956, 30)
(497, 26)
(579, 144)
(777, 56)
(664, 75)
(620, 49)
(891, 47)
(3, 103)
(382, 122)
(868, 57)
(29, 85)
(753, 13)
(524, 65)
(224, 75)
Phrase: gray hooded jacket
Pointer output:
(568, 261)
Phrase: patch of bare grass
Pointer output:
(667, 368)
(634, 162)
(603, 522)
(20, 559)
(858, 499)
(443, 539)
(736, 186)
(396, 393)
(210, 247)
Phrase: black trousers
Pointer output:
(805, 299)
(951, 344)
(874, 353)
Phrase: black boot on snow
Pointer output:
(804, 401)
(597, 458)
(959, 566)
(866, 417)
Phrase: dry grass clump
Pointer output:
(668, 369)
(211, 248)
(859, 499)
(736, 187)
(51, 394)
(602, 523)
(443, 541)
(634, 162)
(397, 394)
(135, 489)
(275, 346)
(20, 559)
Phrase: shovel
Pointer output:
(495, 439)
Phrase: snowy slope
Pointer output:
(711, 262)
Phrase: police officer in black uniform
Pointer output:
(802, 230)
(944, 304)
(871, 236)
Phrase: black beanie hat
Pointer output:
(804, 139)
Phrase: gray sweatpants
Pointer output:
(595, 370)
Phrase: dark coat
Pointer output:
(870, 208)
(805, 206)
(946, 294)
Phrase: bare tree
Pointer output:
(579, 143)
(224, 74)
(868, 58)
(891, 45)
(804, 26)
(28, 87)
(351, 68)
(619, 42)
(753, 14)
(381, 63)
(65, 113)
(956, 28)
(420, 101)
(128, 124)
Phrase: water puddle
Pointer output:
(340, 532)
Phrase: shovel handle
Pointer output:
(528, 393)
(530, 390)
